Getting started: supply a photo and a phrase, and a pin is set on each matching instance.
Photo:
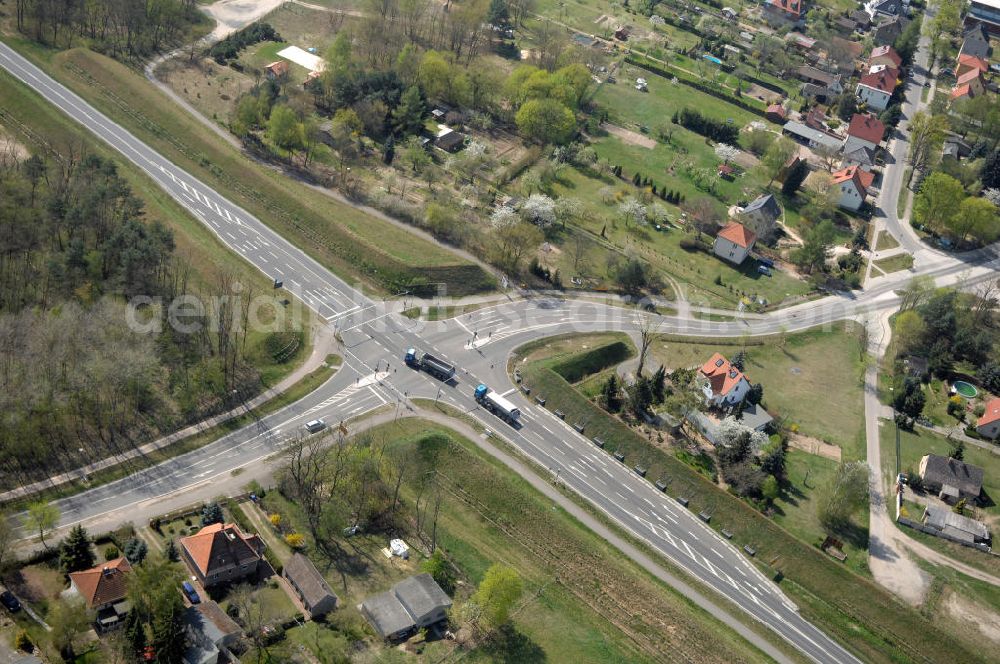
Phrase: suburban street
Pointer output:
(374, 377)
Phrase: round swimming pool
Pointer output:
(966, 390)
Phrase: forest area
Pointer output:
(91, 362)
(124, 29)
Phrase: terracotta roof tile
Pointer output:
(721, 375)
(884, 80)
(220, 545)
(991, 414)
(104, 583)
(738, 234)
(866, 127)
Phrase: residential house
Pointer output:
(276, 70)
(862, 20)
(729, 13)
(970, 84)
(784, 12)
(761, 216)
(967, 63)
(976, 42)
(875, 8)
(724, 384)
(986, 12)
(885, 55)
(104, 589)
(988, 426)
(816, 119)
(852, 183)
(956, 526)
(819, 78)
(864, 130)
(950, 478)
(775, 113)
(449, 140)
(860, 156)
(845, 25)
(955, 148)
(411, 604)
(811, 137)
(314, 592)
(222, 553)
(734, 242)
(888, 30)
(209, 632)
(875, 88)
(800, 41)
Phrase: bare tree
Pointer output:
(648, 329)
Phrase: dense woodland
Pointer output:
(121, 28)
(74, 251)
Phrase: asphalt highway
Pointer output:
(374, 376)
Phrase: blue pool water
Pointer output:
(712, 58)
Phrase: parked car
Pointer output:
(8, 600)
(191, 593)
(765, 270)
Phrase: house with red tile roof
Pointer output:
(885, 55)
(222, 553)
(775, 113)
(784, 12)
(865, 130)
(852, 183)
(876, 87)
(970, 84)
(734, 242)
(276, 70)
(104, 589)
(723, 384)
(988, 426)
(968, 63)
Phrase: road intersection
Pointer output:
(373, 376)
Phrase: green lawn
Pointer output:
(697, 271)
(885, 241)
(814, 380)
(795, 510)
(895, 263)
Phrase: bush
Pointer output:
(230, 47)
(295, 540)
(111, 552)
(23, 642)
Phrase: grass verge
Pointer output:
(895, 263)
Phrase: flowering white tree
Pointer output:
(726, 152)
(540, 210)
(731, 430)
(992, 195)
(633, 210)
(568, 207)
(503, 217)
(658, 214)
